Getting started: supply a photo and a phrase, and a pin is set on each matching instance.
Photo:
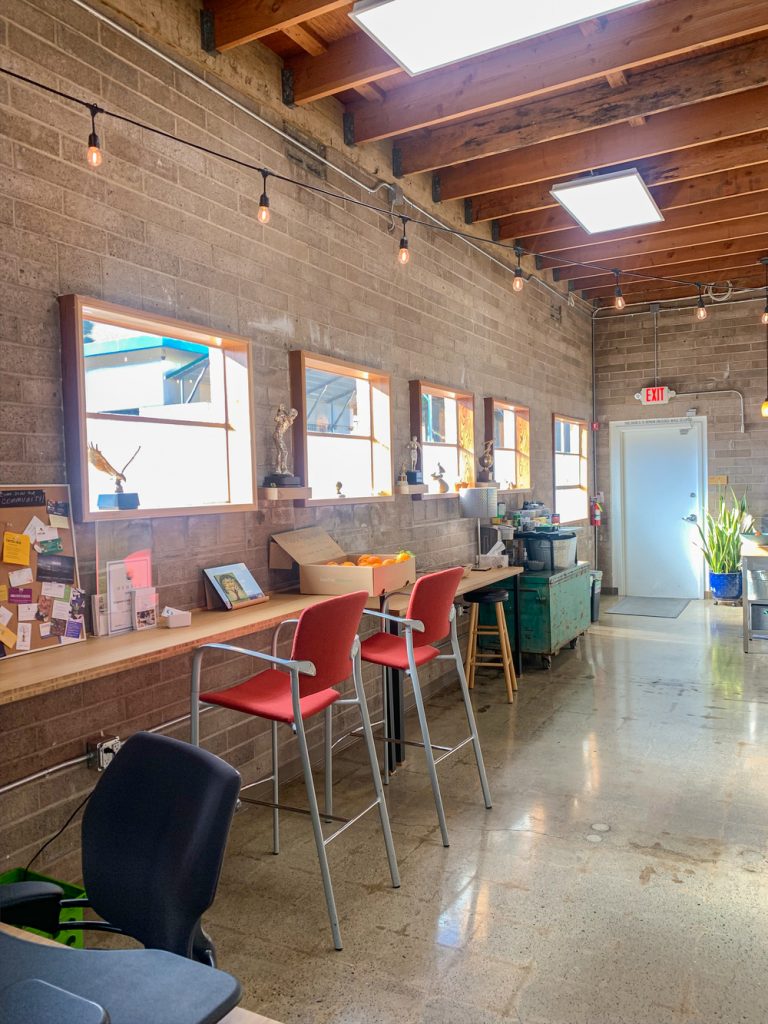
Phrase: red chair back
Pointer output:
(431, 602)
(324, 636)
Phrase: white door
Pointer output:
(658, 488)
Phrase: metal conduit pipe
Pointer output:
(45, 772)
(720, 391)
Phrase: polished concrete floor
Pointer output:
(621, 875)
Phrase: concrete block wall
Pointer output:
(727, 350)
(164, 228)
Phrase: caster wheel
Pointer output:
(546, 662)
(573, 643)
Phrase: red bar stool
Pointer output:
(325, 648)
(429, 619)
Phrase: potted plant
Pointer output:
(721, 544)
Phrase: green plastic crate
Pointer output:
(71, 892)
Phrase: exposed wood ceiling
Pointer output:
(677, 88)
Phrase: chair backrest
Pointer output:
(324, 635)
(154, 833)
(431, 600)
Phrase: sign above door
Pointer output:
(658, 395)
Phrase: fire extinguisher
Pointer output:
(595, 512)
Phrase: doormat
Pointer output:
(653, 607)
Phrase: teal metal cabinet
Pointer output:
(554, 609)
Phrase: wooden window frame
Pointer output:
(418, 388)
(584, 426)
(490, 405)
(73, 310)
(298, 360)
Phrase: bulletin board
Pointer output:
(41, 603)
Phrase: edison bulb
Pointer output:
(764, 409)
(404, 255)
(620, 301)
(764, 317)
(263, 214)
(701, 312)
(94, 156)
(518, 283)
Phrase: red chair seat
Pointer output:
(390, 650)
(268, 695)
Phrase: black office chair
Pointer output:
(153, 839)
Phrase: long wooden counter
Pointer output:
(58, 668)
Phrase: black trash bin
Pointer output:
(597, 581)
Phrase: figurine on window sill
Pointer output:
(442, 486)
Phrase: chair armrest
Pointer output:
(390, 595)
(276, 634)
(305, 668)
(408, 623)
(31, 905)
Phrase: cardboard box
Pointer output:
(313, 548)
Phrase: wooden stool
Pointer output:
(490, 659)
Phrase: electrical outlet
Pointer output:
(101, 751)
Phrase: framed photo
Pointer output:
(231, 586)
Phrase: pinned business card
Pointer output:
(5, 616)
(45, 630)
(20, 577)
(27, 612)
(55, 590)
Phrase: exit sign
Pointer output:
(658, 395)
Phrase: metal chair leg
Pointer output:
(317, 828)
(386, 698)
(376, 775)
(470, 717)
(275, 792)
(328, 772)
(428, 752)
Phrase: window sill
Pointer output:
(316, 502)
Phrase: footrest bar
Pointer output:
(452, 750)
(293, 810)
(348, 822)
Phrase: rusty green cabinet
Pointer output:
(554, 609)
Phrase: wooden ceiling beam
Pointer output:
(666, 258)
(705, 268)
(236, 22)
(306, 38)
(347, 64)
(674, 196)
(643, 244)
(561, 159)
(661, 294)
(648, 91)
(724, 155)
(730, 208)
(698, 272)
(559, 60)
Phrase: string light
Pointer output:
(404, 254)
(94, 156)
(701, 310)
(619, 301)
(263, 214)
(518, 281)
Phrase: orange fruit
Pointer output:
(375, 561)
(331, 563)
(363, 559)
(347, 563)
(403, 556)
(388, 561)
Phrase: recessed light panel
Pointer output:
(425, 34)
(608, 202)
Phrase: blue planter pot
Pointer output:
(725, 586)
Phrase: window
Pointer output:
(509, 427)
(343, 447)
(571, 470)
(444, 422)
(158, 414)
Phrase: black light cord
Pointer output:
(56, 835)
(318, 190)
